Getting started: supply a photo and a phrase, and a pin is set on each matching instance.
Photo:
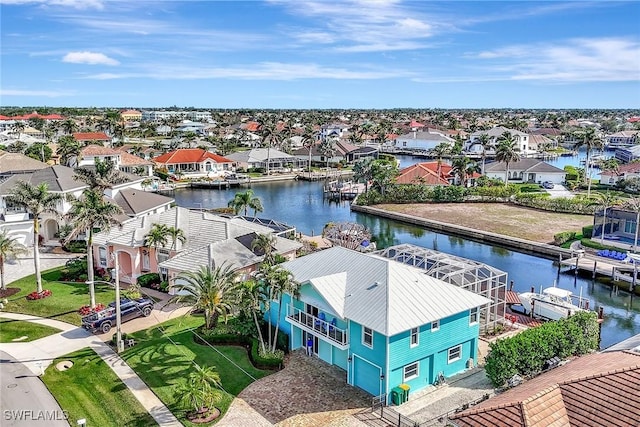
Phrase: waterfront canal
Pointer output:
(301, 204)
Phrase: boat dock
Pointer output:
(597, 265)
(347, 190)
(221, 184)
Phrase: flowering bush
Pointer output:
(85, 309)
(39, 295)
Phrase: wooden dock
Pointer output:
(597, 265)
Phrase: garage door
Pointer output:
(366, 376)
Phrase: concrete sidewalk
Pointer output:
(38, 355)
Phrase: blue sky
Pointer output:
(320, 54)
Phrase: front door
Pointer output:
(309, 338)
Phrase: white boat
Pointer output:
(552, 303)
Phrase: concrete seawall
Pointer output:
(520, 245)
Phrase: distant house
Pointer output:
(426, 173)
(628, 154)
(520, 138)
(622, 139)
(384, 322)
(210, 240)
(131, 115)
(335, 130)
(612, 177)
(344, 151)
(526, 170)
(92, 153)
(194, 163)
(11, 163)
(422, 140)
(278, 161)
(136, 165)
(99, 138)
(583, 392)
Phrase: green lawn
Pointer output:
(64, 302)
(11, 329)
(164, 363)
(91, 390)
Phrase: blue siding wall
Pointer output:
(432, 350)
(340, 357)
(324, 351)
(359, 374)
(273, 313)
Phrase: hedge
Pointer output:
(525, 354)
(564, 237)
(251, 344)
(587, 231)
(146, 280)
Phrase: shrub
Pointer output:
(86, 310)
(39, 295)
(564, 237)
(587, 231)
(75, 246)
(149, 279)
(73, 269)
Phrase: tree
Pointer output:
(212, 290)
(485, 143)
(383, 173)
(462, 167)
(245, 201)
(157, 237)
(202, 389)
(605, 201)
(328, 149)
(176, 235)
(252, 297)
(39, 151)
(590, 141)
(87, 213)
(362, 172)
(507, 152)
(69, 126)
(270, 139)
(439, 151)
(37, 200)
(104, 175)
(9, 248)
(17, 128)
(68, 149)
(264, 243)
(309, 141)
(276, 281)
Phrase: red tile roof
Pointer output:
(252, 126)
(189, 155)
(424, 173)
(33, 116)
(589, 391)
(98, 150)
(91, 136)
(127, 159)
(415, 124)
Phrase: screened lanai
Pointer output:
(471, 275)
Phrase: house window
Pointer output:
(473, 316)
(146, 265)
(455, 353)
(414, 336)
(435, 325)
(367, 337)
(102, 254)
(410, 372)
(163, 255)
(630, 227)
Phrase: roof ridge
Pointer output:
(600, 375)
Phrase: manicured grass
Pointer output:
(164, 362)
(11, 329)
(64, 302)
(91, 390)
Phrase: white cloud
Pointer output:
(92, 58)
(43, 93)
(75, 4)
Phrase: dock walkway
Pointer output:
(618, 270)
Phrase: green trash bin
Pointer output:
(405, 392)
(397, 395)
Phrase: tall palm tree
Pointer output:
(308, 142)
(245, 201)
(69, 126)
(212, 290)
(87, 213)
(270, 138)
(459, 167)
(362, 172)
(9, 248)
(590, 141)
(176, 234)
(104, 175)
(37, 200)
(68, 149)
(252, 297)
(606, 200)
(439, 151)
(157, 237)
(328, 149)
(279, 282)
(485, 143)
(264, 243)
(507, 152)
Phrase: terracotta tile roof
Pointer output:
(91, 136)
(98, 150)
(415, 124)
(252, 126)
(591, 391)
(33, 116)
(189, 155)
(127, 159)
(424, 173)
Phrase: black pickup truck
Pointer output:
(103, 320)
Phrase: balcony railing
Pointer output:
(321, 328)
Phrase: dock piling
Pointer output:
(595, 267)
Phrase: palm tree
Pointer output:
(37, 200)
(308, 142)
(211, 290)
(87, 213)
(157, 237)
(269, 135)
(104, 175)
(17, 128)
(279, 282)
(9, 248)
(202, 389)
(328, 149)
(264, 243)
(439, 151)
(251, 297)
(245, 201)
(362, 172)
(606, 200)
(68, 148)
(176, 235)
(485, 143)
(590, 140)
(633, 205)
(507, 152)
(460, 167)
(69, 126)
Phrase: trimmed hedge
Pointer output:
(525, 354)
(587, 231)
(146, 280)
(564, 237)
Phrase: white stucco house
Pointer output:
(526, 170)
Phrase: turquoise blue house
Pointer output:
(384, 322)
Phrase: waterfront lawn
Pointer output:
(65, 300)
(164, 355)
(90, 389)
(12, 330)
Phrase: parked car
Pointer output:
(103, 320)
(548, 185)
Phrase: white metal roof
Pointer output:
(384, 295)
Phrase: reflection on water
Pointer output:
(302, 204)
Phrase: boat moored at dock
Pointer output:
(552, 303)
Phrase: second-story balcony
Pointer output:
(326, 331)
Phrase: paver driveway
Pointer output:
(307, 392)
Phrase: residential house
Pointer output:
(541, 143)
(628, 154)
(90, 154)
(587, 391)
(384, 322)
(131, 116)
(7, 122)
(422, 140)
(333, 130)
(526, 170)
(258, 157)
(625, 138)
(426, 173)
(11, 163)
(210, 240)
(619, 227)
(344, 152)
(521, 139)
(194, 163)
(612, 177)
(136, 165)
(97, 138)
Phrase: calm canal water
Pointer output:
(301, 204)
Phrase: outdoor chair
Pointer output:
(323, 322)
(332, 325)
